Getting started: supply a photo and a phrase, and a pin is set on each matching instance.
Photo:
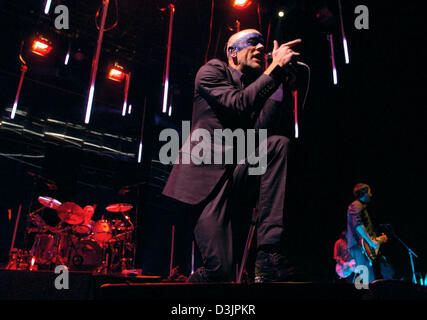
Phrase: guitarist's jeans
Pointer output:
(361, 260)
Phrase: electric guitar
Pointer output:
(346, 269)
(372, 253)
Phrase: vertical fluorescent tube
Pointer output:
(15, 106)
(47, 6)
(170, 111)
(344, 40)
(126, 94)
(24, 69)
(140, 152)
(89, 103)
(334, 68)
(165, 95)
(130, 109)
(96, 60)
(67, 57)
(166, 76)
(295, 94)
(347, 57)
(192, 257)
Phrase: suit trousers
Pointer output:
(230, 203)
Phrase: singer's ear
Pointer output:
(232, 52)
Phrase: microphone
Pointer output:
(294, 60)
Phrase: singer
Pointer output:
(238, 94)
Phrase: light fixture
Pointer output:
(117, 73)
(41, 46)
(281, 13)
(241, 4)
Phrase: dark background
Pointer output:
(369, 128)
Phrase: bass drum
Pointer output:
(86, 255)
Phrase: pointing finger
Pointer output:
(292, 43)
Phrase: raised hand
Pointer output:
(283, 54)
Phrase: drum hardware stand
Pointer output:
(128, 242)
(37, 178)
(58, 253)
(104, 268)
(15, 256)
(123, 191)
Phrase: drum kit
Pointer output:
(78, 242)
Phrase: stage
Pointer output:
(85, 286)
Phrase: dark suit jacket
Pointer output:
(222, 101)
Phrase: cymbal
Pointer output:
(49, 202)
(71, 213)
(119, 207)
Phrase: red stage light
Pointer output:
(241, 4)
(116, 73)
(41, 47)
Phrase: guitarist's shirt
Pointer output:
(341, 251)
(357, 214)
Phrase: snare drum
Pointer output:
(83, 229)
(102, 231)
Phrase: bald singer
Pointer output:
(236, 94)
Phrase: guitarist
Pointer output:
(359, 227)
(345, 264)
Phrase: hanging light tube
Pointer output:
(344, 39)
(166, 76)
(67, 56)
(127, 79)
(334, 68)
(96, 60)
(295, 94)
(24, 69)
(47, 6)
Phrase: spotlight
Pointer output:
(41, 46)
(117, 73)
(281, 13)
(241, 4)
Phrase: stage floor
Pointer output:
(43, 285)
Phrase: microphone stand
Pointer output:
(410, 252)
